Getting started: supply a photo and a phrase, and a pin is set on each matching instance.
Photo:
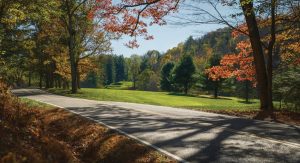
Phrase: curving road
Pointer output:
(187, 135)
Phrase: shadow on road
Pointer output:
(210, 139)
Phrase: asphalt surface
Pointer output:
(187, 135)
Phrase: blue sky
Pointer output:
(167, 36)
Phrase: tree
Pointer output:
(238, 65)
(119, 68)
(148, 81)
(134, 68)
(109, 70)
(85, 35)
(213, 80)
(166, 77)
(18, 21)
(183, 73)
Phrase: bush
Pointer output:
(148, 81)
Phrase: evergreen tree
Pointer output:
(109, 71)
(166, 76)
(119, 68)
(183, 73)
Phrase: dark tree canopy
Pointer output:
(119, 68)
(166, 77)
(183, 73)
(109, 71)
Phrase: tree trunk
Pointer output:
(247, 82)
(72, 43)
(270, 56)
(72, 53)
(216, 89)
(78, 76)
(51, 79)
(134, 82)
(29, 79)
(186, 88)
(64, 84)
(59, 82)
(41, 80)
(260, 66)
(73, 73)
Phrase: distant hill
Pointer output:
(220, 41)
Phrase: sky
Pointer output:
(165, 37)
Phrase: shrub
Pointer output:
(148, 81)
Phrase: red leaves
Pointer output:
(238, 65)
(132, 17)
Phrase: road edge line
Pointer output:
(124, 133)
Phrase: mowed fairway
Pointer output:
(162, 98)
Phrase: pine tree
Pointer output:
(183, 73)
(166, 77)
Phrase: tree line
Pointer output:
(61, 43)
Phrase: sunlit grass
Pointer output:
(163, 98)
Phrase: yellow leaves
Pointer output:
(63, 67)
(29, 44)
(289, 46)
(13, 15)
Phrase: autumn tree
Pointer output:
(18, 32)
(85, 37)
(239, 66)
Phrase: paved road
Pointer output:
(192, 136)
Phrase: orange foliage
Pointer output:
(64, 70)
(238, 65)
(128, 16)
(290, 46)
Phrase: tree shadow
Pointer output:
(194, 136)
(245, 102)
(93, 143)
(181, 94)
(198, 96)
(218, 98)
(202, 138)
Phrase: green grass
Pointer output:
(33, 103)
(162, 98)
(123, 85)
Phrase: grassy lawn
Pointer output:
(162, 98)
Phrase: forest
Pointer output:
(207, 65)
